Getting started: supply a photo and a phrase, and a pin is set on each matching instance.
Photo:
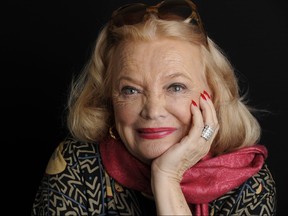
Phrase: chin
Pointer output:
(153, 151)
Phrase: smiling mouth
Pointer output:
(155, 133)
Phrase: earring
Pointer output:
(111, 133)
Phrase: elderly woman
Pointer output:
(158, 126)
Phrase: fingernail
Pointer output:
(203, 96)
(194, 103)
(206, 93)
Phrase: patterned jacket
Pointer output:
(76, 183)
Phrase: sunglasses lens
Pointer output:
(174, 10)
(129, 15)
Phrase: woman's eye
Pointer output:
(176, 87)
(127, 90)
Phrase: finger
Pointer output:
(209, 101)
(209, 116)
(200, 147)
(197, 120)
(207, 110)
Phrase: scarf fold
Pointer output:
(207, 180)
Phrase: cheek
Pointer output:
(184, 115)
(181, 110)
(125, 113)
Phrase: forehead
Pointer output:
(158, 61)
(160, 52)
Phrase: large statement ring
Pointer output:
(207, 132)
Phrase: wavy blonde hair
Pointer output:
(90, 111)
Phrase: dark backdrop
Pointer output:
(45, 43)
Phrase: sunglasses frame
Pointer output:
(126, 10)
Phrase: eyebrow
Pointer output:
(126, 78)
(175, 75)
(139, 81)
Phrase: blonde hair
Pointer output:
(90, 111)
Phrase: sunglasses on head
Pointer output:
(179, 10)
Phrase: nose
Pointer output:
(154, 107)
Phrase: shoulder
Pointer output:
(260, 184)
(69, 184)
(261, 188)
(75, 148)
(71, 152)
(264, 180)
(257, 194)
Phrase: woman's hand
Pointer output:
(168, 169)
(192, 148)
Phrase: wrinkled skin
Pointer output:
(154, 86)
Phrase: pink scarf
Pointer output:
(204, 182)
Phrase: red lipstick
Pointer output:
(155, 133)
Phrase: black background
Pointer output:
(45, 43)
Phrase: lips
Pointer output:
(155, 133)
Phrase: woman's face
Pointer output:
(154, 83)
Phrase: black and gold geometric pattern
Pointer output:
(75, 183)
(257, 196)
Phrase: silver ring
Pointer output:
(207, 132)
